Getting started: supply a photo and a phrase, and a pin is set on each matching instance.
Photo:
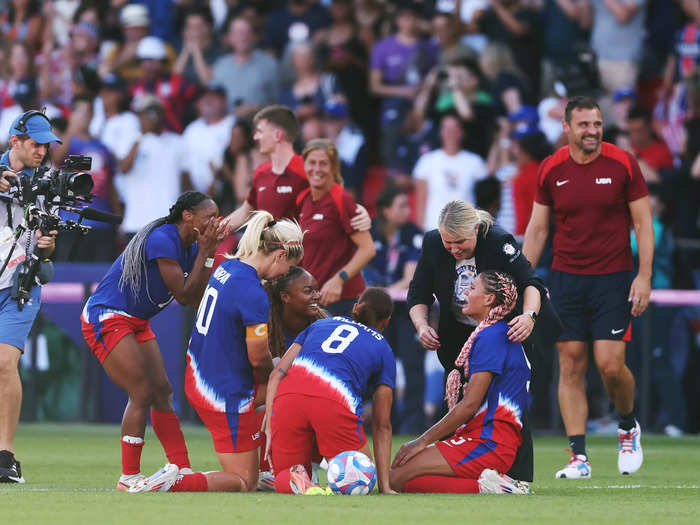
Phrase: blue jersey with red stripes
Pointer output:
(219, 373)
(340, 359)
(499, 418)
(162, 243)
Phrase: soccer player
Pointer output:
(169, 258)
(315, 394)
(486, 395)
(597, 193)
(228, 357)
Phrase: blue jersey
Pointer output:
(219, 372)
(499, 418)
(154, 295)
(340, 359)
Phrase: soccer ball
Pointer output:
(351, 473)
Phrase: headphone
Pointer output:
(22, 123)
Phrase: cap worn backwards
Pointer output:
(36, 126)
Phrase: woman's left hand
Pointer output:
(520, 328)
(406, 452)
(332, 290)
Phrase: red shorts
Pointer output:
(300, 421)
(232, 432)
(468, 456)
(108, 328)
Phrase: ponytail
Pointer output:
(134, 257)
(264, 233)
(373, 306)
(501, 285)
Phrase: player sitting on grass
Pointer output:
(228, 360)
(486, 395)
(315, 393)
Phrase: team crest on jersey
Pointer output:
(509, 249)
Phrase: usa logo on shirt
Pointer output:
(317, 216)
(284, 189)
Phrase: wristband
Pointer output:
(343, 275)
(209, 263)
(532, 314)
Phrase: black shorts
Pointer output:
(592, 307)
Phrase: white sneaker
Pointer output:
(161, 481)
(578, 468)
(491, 482)
(126, 481)
(266, 481)
(629, 454)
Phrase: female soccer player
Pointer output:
(334, 253)
(169, 258)
(228, 357)
(485, 410)
(315, 394)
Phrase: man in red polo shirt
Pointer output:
(278, 182)
(596, 192)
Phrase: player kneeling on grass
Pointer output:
(228, 360)
(315, 394)
(485, 410)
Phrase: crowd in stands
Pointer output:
(440, 99)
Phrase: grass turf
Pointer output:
(72, 470)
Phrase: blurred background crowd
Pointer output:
(426, 101)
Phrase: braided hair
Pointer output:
(502, 286)
(134, 261)
(275, 288)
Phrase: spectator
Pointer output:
(349, 141)
(398, 242)
(451, 49)
(152, 167)
(123, 59)
(397, 65)
(309, 92)
(445, 173)
(512, 23)
(99, 245)
(205, 140)
(550, 111)
(248, 74)
(116, 127)
(646, 146)
(531, 149)
(508, 85)
(19, 67)
(565, 24)
(342, 53)
(617, 35)
(23, 22)
(236, 173)
(199, 51)
(298, 20)
(156, 78)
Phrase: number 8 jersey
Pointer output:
(340, 359)
(234, 306)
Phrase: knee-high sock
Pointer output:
(282, 480)
(131, 455)
(167, 428)
(196, 482)
(444, 484)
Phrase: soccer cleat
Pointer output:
(300, 482)
(491, 482)
(266, 481)
(161, 481)
(126, 481)
(578, 468)
(11, 472)
(629, 454)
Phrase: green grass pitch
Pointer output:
(71, 471)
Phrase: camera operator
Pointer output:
(30, 136)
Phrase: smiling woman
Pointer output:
(334, 252)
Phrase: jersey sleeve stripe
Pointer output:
(618, 154)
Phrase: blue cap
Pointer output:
(522, 129)
(37, 127)
(526, 114)
(623, 93)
